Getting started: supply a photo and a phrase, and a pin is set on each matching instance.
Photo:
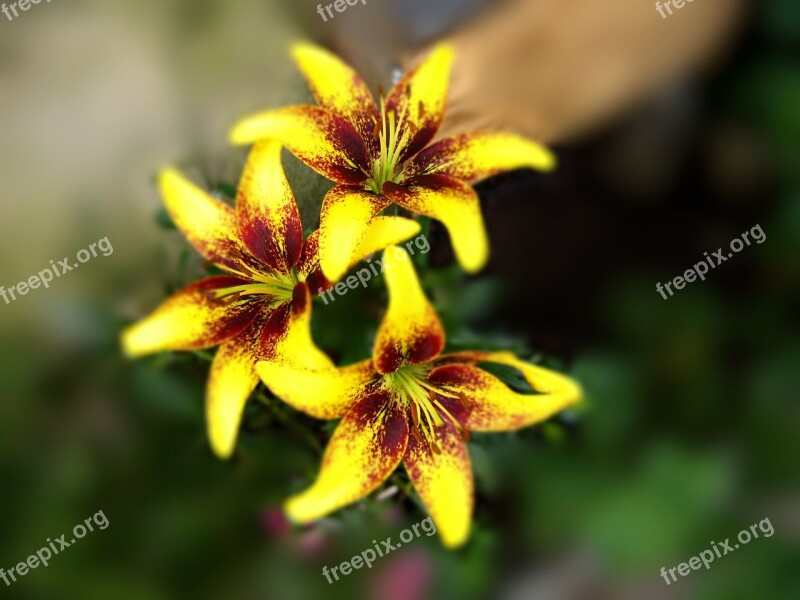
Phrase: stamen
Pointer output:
(426, 411)
(386, 132)
(276, 286)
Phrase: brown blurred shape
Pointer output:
(555, 69)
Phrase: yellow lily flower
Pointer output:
(378, 156)
(412, 405)
(261, 308)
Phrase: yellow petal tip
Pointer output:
(133, 346)
(474, 259)
(125, 343)
(238, 135)
(167, 178)
(453, 543)
(222, 449)
(333, 271)
(295, 511)
(300, 49)
(545, 160)
(444, 51)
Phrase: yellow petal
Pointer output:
(475, 156)
(443, 480)
(231, 381)
(420, 97)
(410, 332)
(347, 212)
(384, 232)
(453, 203)
(321, 393)
(490, 405)
(337, 87)
(267, 216)
(286, 337)
(308, 269)
(325, 141)
(208, 224)
(366, 447)
(191, 319)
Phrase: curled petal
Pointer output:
(442, 477)
(420, 97)
(347, 212)
(232, 379)
(208, 224)
(453, 203)
(410, 332)
(325, 141)
(366, 447)
(286, 337)
(475, 156)
(267, 217)
(490, 405)
(192, 319)
(384, 232)
(337, 87)
(321, 393)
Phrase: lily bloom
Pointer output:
(411, 405)
(260, 309)
(379, 154)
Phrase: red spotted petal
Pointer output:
(321, 393)
(266, 213)
(489, 404)
(325, 141)
(192, 319)
(442, 477)
(337, 87)
(419, 99)
(475, 156)
(231, 380)
(410, 332)
(456, 205)
(346, 215)
(208, 224)
(308, 267)
(366, 447)
(286, 336)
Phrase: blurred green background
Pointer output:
(690, 428)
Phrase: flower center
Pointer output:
(385, 167)
(409, 385)
(279, 287)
